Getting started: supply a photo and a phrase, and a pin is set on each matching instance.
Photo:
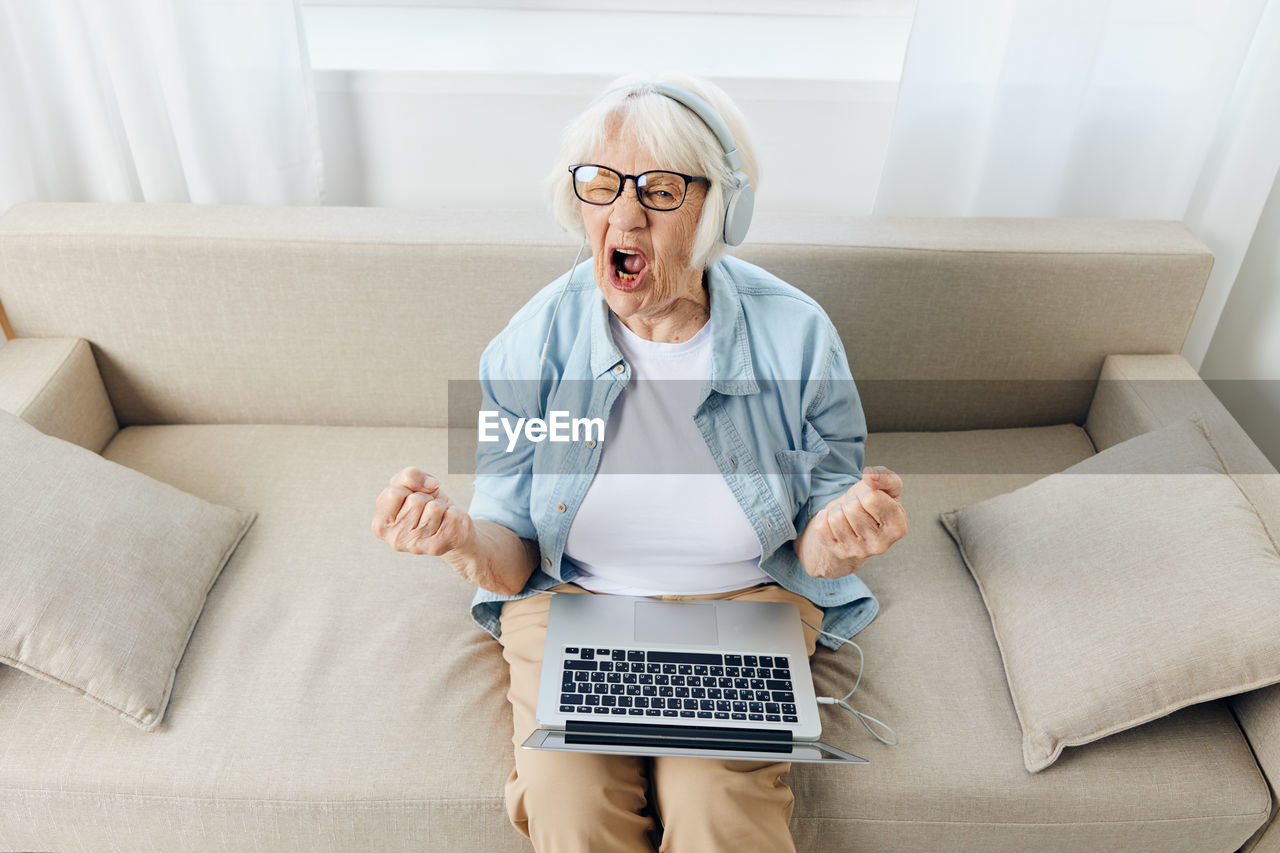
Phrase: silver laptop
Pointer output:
(640, 676)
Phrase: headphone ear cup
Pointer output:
(740, 201)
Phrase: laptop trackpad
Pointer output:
(661, 622)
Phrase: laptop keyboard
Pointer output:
(689, 685)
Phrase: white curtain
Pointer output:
(205, 101)
(1147, 109)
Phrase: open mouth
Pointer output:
(628, 264)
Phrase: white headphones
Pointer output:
(740, 197)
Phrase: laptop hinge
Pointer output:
(687, 737)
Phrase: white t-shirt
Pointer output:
(658, 518)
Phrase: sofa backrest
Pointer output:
(360, 316)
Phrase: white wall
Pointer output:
(1242, 364)
(412, 139)
(412, 99)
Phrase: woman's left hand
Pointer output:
(861, 523)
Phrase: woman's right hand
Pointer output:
(414, 515)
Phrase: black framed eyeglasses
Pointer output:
(656, 189)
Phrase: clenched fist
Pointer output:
(861, 523)
(412, 514)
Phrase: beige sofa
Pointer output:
(336, 696)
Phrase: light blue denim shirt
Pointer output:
(780, 415)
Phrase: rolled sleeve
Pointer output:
(504, 479)
(835, 414)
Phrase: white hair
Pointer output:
(668, 130)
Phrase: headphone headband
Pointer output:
(739, 196)
(709, 117)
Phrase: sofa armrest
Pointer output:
(1259, 715)
(54, 385)
(1139, 393)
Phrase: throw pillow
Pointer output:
(103, 571)
(1132, 584)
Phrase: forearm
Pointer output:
(498, 561)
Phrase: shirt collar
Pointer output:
(731, 371)
(604, 352)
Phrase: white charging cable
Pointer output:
(865, 719)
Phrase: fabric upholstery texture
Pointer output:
(1256, 712)
(103, 571)
(1008, 330)
(1140, 393)
(335, 695)
(54, 385)
(285, 731)
(941, 685)
(1134, 583)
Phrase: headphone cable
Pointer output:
(546, 344)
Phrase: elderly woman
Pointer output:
(656, 180)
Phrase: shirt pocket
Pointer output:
(797, 466)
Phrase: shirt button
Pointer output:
(560, 508)
(546, 561)
(591, 443)
(618, 368)
(733, 462)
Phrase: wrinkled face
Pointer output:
(642, 255)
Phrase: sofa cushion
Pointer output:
(957, 781)
(336, 695)
(103, 571)
(1120, 597)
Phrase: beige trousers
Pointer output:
(567, 802)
